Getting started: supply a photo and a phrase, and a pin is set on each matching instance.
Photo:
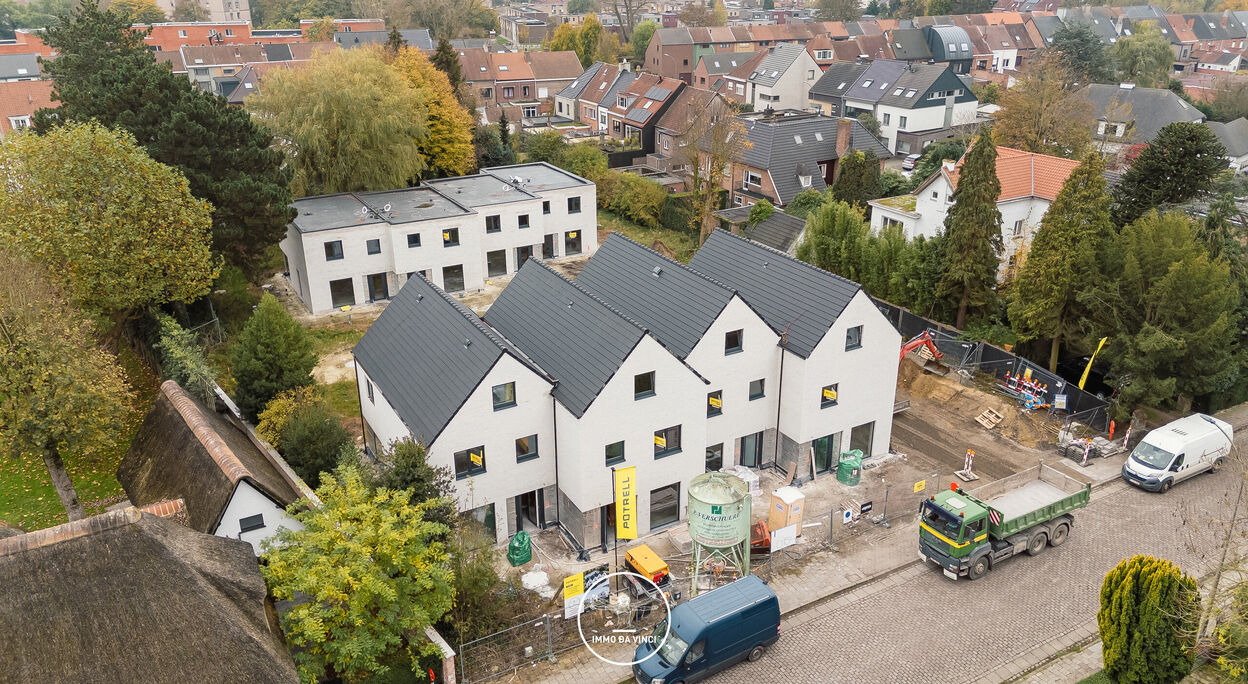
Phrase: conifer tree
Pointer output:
(447, 62)
(272, 354)
(972, 235)
(859, 179)
(836, 239)
(1180, 163)
(1063, 259)
(1147, 606)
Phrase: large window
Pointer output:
(733, 341)
(450, 237)
(504, 395)
(373, 246)
(493, 224)
(333, 250)
(469, 462)
(751, 178)
(643, 385)
(572, 242)
(757, 389)
(341, 292)
(853, 338)
(574, 205)
(667, 441)
(453, 278)
(714, 457)
(615, 453)
(526, 448)
(496, 262)
(829, 395)
(664, 505)
(413, 239)
(523, 221)
(714, 403)
(861, 436)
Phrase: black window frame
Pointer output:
(332, 254)
(494, 223)
(470, 468)
(613, 460)
(411, 244)
(740, 346)
(522, 221)
(490, 271)
(452, 241)
(645, 393)
(824, 401)
(369, 386)
(251, 523)
(857, 344)
(462, 283)
(667, 449)
(718, 449)
(545, 207)
(506, 403)
(762, 389)
(711, 409)
(372, 246)
(666, 523)
(529, 455)
(574, 209)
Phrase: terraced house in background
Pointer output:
(352, 248)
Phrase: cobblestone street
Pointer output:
(918, 626)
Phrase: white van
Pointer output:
(1177, 451)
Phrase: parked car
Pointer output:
(1178, 450)
(908, 163)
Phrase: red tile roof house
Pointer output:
(638, 107)
(19, 100)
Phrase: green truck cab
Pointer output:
(967, 534)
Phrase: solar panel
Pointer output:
(638, 115)
(657, 93)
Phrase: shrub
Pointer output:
(585, 160)
(404, 465)
(272, 354)
(278, 411)
(313, 442)
(234, 303)
(182, 360)
(637, 198)
(1147, 606)
(676, 212)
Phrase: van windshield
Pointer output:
(671, 650)
(1152, 456)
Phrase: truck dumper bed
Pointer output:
(1031, 496)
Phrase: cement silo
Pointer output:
(719, 524)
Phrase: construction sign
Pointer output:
(829, 394)
(715, 402)
(625, 502)
(920, 486)
(477, 459)
(660, 441)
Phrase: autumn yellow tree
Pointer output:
(1044, 113)
(448, 148)
(138, 11)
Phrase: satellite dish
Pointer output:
(386, 208)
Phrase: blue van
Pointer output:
(711, 632)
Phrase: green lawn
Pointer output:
(682, 244)
(1098, 678)
(29, 500)
(343, 398)
(332, 338)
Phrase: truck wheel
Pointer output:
(979, 568)
(1165, 486)
(757, 653)
(1035, 545)
(1217, 465)
(1059, 534)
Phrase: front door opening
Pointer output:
(548, 247)
(827, 452)
(378, 288)
(752, 450)
(528, 511)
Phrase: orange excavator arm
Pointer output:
(924, 340)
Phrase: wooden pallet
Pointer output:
(989, 419)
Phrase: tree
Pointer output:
(1080, 51)
(490, 148)
(313, 441)
(1064, 260)
(347, 121)
(1170, 313)
(272, 354)
(288, 13)
(714, 140)
(804, 203)
(933, 157)
(444, 18)
(986, 93)
(641, 39)
(869, 122)
(760, 211)
(627, 15)
(582, 6)
(279, 410)
(1044, 113)
(1230, 99)
(1146, 606)
(835, 239)
(1144, 58)
(695, 14)
(837, 10)
(972, 233)
(365, 574)
(138, 11)
(563, 39)
(404, 465)
(587, 38)
(182, 359)
(323, 30)
(188, 11)
(873, 7)
(916, 282)
(104, 72)
(586, 161)
(719, 13)
(609, 49)
(893, 183)
(447, 61)
(447, 149)
(62, 395)
(858, 180)
(122, 231)
(1180, 163)
(547, 146)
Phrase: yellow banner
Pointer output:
(660, 441)
(572, 234)
(920, 486)
(625, 502)
(715, 402)
(829, 394)
(1084, 378)
(475, 458)
(573, 585)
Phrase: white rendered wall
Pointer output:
(248, 501)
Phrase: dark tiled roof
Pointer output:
(777, 61)
(427, 353)
(778, 231)
(910, 44)
(674, 302)
(417, 38)
(578, 338)
(828, 87)
(1151, 109)
(576, 87)
(1234, 136)
(791, 295)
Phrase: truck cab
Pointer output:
(952, 527)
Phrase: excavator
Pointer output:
(923, 340)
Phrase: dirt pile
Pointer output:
(1025, 427)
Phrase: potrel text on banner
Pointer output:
(625, 502)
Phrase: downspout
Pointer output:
(784, 338)
(554, 420)
(359, 400)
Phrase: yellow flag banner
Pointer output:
(1084, 378)
(626, 503)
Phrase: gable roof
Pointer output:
(428, 352)
(19, 66)
(910, 44)
(675, 303)
(417, 38)
(1234, 136)
(718, 63)
(1151, 108)
(510, 66)
(836, 81)
(547, 66)
(686, 106)
(799, 301)
(577, 337)
(127, 596)
(23, 98)
(183, 451)
(778, 60)
(779, 231)
(1025, 174)
(578, 85)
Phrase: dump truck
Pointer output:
(967, 534)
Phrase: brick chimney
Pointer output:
(843, 135)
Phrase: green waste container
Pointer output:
(519, 551)
(849, 470)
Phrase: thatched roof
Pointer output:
(184, 451)
(127, 596)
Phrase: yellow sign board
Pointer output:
(920, 486)
(477, 459)
(625, 502)
(446, 236)
(660, 441)
(829, 394)
(572, 234)
(715, 402)
(573, 585)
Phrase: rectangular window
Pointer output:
(546, 207)
(413, 239)
(251, 522)
(450, 237)
(902, 122)
(756, 389)
(493, 224)
(664, 506)
(453, 278)
(523, 221)
(887, 118)
(526, 448)
(732, 341)
(667, 441)
(529, 112)
(714, 403)
(860, 438)
(469, 462)
(342, 292)
(504, 395)
(714, 457)
(1018, 228)
(374, 246)
(509, 92)
(615, 453)
(574, 205)
(496, 263)
(333, 250)
(572, 242)
(828, 396)
(853, 338)
(181, 33)
(752, 178)
(369, 385)
(643, 385)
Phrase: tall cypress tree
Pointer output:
(859, 179)
(1148, 606)
(447, 61)
(103, 71)
(1064, 259)
(973, 232)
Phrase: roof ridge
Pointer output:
(593, 296)
(71, 530)
(668, 259)
(777, 252)
(213, 443)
